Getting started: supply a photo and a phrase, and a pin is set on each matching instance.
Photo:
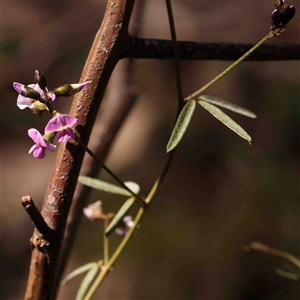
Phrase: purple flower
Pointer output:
(51, 96)
(22, 101)
(40, 145)
(61, 124)
(94, 211)
(125, 225)
(27, 101)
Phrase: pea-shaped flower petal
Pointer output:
(61, 124)
(24, 102)
(40, 145)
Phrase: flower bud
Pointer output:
(38, 107)
(64, 90)
(70, 89)
(281, 16)
(26, 91)
(40, 79)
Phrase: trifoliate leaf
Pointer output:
(78, 271)
(85, 283)
(108, 187)
(119, 216)
(230, 106)
(181, 125)
(226, 120)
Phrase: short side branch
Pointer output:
(35, 215)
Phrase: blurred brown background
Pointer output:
(220, 193)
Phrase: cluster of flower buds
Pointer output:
(38, 98)
(282, 14)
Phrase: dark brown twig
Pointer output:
(101, 61)
(141, 48)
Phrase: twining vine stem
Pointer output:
(230, 68)
(106, 268)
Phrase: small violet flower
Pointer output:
(125, 225)
(40, 145)
(23, 101)
(61, 124)
(94, 211)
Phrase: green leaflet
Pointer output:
(286, 274)
(181, 125)
(85, 283)
(78, 271)
(230, 106)
(226, 120)
(108, 187)
(119, 216)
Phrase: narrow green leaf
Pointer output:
(78, 271)
(119, 216)
(230, 106)
(291, 266)
(226, 120)
(181, 125)
(86, 282)
(108, 187)
(286, 274)
(133, 186)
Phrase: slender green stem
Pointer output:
(107, 267)
(156, 185)
(176, 53)
(226, 71)
(159, 181)
(90, 152)
(260, 247)
(105, 243)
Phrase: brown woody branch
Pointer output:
(35, 215)
(120, 97)
(100, 63)
(162, 49)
